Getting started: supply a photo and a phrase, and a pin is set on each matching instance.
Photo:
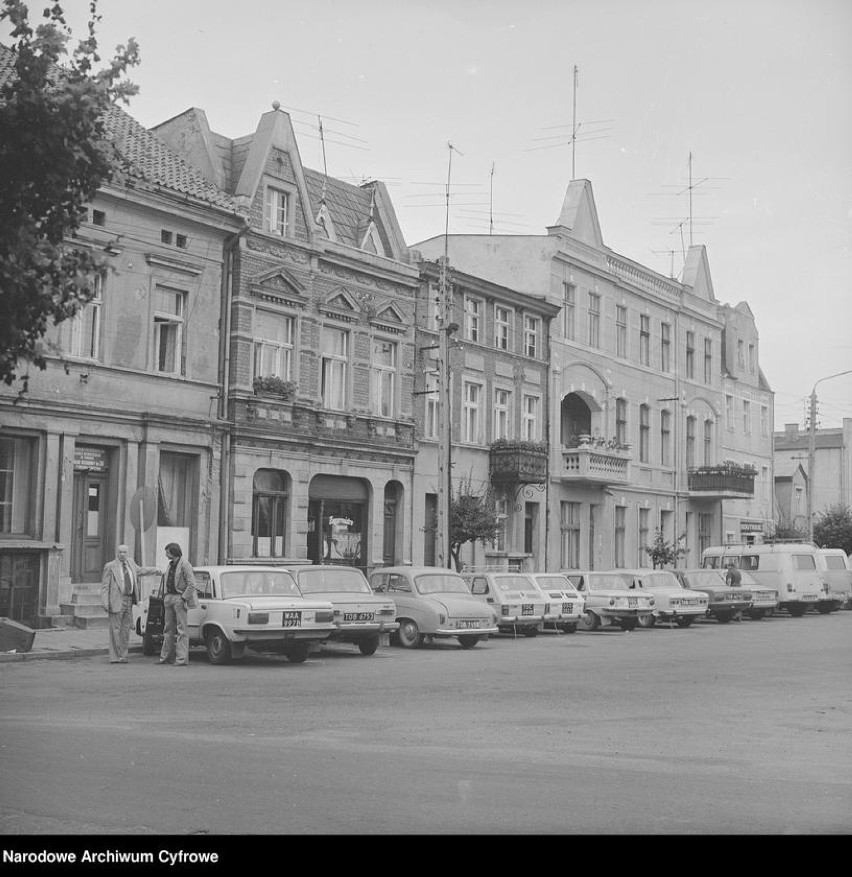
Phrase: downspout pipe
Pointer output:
(229, 249)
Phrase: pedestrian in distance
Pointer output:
(119, 593)
(733, 577)
(179, 596)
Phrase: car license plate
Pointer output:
(632, 601)
(810, 597)
(291, 619)
(358, 616)
(567, 608)
(467, 623)
(527, 609)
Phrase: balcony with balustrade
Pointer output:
(596, 462)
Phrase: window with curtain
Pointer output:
(334, 367)
(174, 485)
(273, 345)
(269, 513)
(644, 433)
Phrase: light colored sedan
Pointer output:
(609, 599)
(566, 601)
(672, 601)
(360, 616)
(433, 602)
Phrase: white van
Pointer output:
(788, 567)
(837, 574)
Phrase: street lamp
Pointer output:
(812, 450)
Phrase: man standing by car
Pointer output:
(179, 596)
(119, 592)
(733, 577)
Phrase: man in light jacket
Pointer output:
(179, 596)
(119, 592)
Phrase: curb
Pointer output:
(58, 655)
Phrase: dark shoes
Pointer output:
(165, 661)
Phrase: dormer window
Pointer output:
(277, 215)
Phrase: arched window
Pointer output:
(268, 513)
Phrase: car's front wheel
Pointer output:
(409, 634)
(724, 617)
(797, 610)
(468, 642)
(589, 621)
(631, 623)
(570, 627)
(298, 653)
(824, 608)
(529, 631)
(756, 614)
(685, 621)
(218, 647)
(368, 645)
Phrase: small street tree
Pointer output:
(473, 518)
(54, 155)
(663, 553)
(789, 532)
(833, 528)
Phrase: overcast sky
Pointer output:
(759, 92)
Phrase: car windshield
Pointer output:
(254, 583)
(607, 582)
(704, 578)
(554, 582)
(514, 583)
(440, 583)
(653, 580)
(323, 581)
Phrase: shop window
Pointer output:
(269, 513)
(17, 486)
(19, 586)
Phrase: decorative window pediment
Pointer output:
(372, 242)
(279, 286)
(341, 305)
(389, 318)
(324, 221)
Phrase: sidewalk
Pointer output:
(72, 642)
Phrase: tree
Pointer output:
(663, 553)
(833, 528)
(54, 155)
(789, 533)
(473, 518)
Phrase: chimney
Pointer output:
(791, 431)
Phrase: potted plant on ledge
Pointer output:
(274, 386)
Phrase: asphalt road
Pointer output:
(737, 729)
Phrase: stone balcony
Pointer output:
(726, 481)
(589, 464)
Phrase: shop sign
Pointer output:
(92, 459)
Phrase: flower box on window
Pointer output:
(273, 386)
(518, 462)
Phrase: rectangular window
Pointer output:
(665, 438)
(384, 377)
(472, 318)
(690, 355)
(751, 358)
(665, 347)
(530, 421)
(273, 345)
(472, 413)
(690, 442)
(705, 527)
(620, 521)
(334, 367)
(746, 417)
(86, 324)
(502, 327)
(433, 398)
(621, 331)
(175, 487)
(644, 433)
(764, 421)
(644, 536)
(568, 304)
(708, 360)
(277, 218)
(502, 414)
(532, 328)
(708, 442)
(729, 413)
(170, 305)
(17, 462)
(621, 421)
(644, 339)
(594, 320)
(741, 355)
(571, 535)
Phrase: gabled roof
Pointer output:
(579, 215)
(151, 165)
(696, 273)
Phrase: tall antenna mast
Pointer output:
(491, 203)
(574, 126)
(690, 198)
(324, 165)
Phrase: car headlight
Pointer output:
(258, 618)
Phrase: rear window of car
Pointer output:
(514, 583)
(430, 583)
(604, 582)
(323, 581)
(660, 580)
(705, 578)
(250, 584)
(547, 582)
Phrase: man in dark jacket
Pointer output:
(179, 596)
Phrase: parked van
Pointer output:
(837, 574)
(788, 567)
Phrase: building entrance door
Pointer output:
(88, 539)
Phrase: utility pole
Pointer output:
(812, 450)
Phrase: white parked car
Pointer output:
(609, 599)
(672, 601)
(520, 605)
(566, 601)
(238, 606)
